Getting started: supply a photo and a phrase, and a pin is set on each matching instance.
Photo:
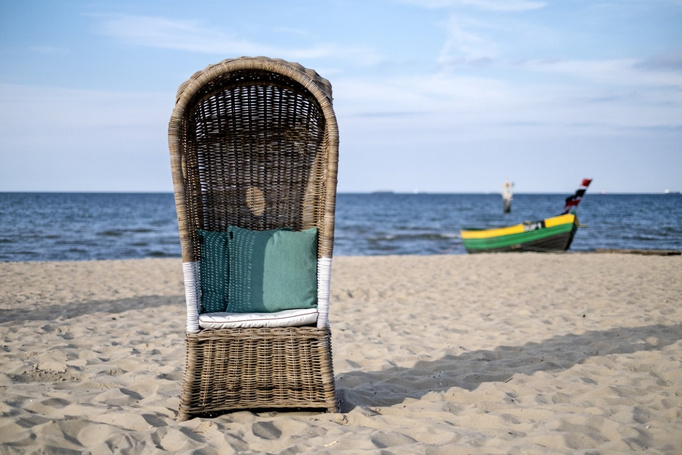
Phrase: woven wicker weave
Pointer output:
(254, 144)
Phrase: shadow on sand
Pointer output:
(471, 369)
(73, 310)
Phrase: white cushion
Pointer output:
(285, 318)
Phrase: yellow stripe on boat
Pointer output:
(486, 233)
(561, 219)
(516, 229)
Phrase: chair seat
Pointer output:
(285, 318)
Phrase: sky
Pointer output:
(453, 96)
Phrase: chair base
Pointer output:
(257, 368)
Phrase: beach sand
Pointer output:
(491, 354)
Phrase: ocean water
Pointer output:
(73, 226)
(372, 224)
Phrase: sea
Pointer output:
(95, 226)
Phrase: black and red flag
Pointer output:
(573, 200)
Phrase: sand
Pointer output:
(495, 354)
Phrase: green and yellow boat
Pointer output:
(551, 234)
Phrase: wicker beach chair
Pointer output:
(254, 150)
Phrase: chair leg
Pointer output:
(188, 379)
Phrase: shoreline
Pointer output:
(493, 353)
(635, 251)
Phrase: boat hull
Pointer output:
(551, 234)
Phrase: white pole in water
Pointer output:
(507, 190)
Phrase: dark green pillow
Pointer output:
(213, 274)
(271, 270)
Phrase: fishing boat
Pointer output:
(550, 234)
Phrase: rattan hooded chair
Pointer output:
(254, 150)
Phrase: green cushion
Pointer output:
(213, 274)
(271, 270)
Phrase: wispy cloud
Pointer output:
(55, 108)
(663, 62)
(463, 43)
(484, 5)
(58, 139)
(609, 94)
(616, 72)
(49, 50)
(502, 5)
(198, 37)
(190, 36)
(482, 33)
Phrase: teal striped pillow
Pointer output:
(271, 270)
(213, 271)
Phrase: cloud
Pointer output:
(663, 62)
(483, 5)
(190, 36)
(548, 97)
(615, 72)
(50, 50)
(480, 36)
(58, 139)
(464, 44)
(197, 37)
(53, 124)
(503, 5)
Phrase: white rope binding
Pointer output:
(190, 271)
(324, 276)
